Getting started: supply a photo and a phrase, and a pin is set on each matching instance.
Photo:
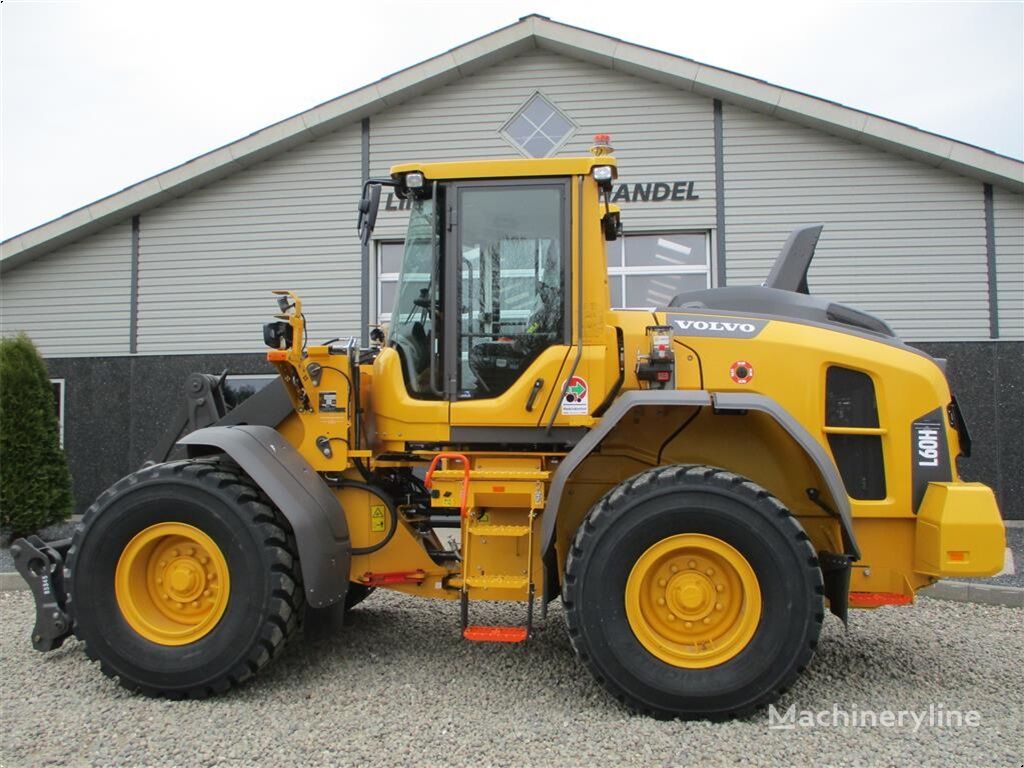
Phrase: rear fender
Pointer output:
(688, 398)
(315, 515)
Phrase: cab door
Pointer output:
(507, 318)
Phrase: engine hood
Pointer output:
(772, 303)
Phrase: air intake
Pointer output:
(854, 435)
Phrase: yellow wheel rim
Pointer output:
(693, 601)
(172, 584)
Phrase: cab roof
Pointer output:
(503, 169)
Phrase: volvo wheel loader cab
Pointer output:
(697, 482)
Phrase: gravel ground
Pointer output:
(396, 686)
(1015, 543)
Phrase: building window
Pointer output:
(538, 128)
(648, 270)
(58, 406)
(389, 265)
(644, 270)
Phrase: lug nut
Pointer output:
(674, 568)
(710, 571)
(692, 564)
(661, 601)
(662, 582)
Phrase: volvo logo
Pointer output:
(742, 329)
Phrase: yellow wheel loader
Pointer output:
(696, 482)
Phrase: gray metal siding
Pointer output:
(1009, 230)
(902, 240)
(208, 260)
(74, 301)
(659, 133)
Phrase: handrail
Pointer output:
(465, 477)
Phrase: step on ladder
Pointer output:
(487, 634)
(474, 527)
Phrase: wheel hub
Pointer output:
(693, 601)
(172, 583)
(690, 595)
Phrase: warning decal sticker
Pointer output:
(329, 403)
(576, 401)
(741, 372)
(377, 520)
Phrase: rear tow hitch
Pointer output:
(41, 564)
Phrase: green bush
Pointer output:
(35, 485)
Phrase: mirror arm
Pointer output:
(369, 202)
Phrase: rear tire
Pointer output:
(121, 585)
(692, 592)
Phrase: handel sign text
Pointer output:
(636, 192)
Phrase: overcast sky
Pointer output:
(99, 95)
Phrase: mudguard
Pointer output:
(700, 398)
(316, 517)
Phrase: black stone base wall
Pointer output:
(117, 408)
(988, 381)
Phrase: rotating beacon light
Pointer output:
(602, 145)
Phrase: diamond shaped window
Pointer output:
(538, 129)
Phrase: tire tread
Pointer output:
(601, 517)
(287, 597)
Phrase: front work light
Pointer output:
(602, 173)
(414, 180)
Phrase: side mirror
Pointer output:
(368, 207)
(611, 223)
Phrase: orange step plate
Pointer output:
(481, 634)
(877, 599)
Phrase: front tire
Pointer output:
(692, 592)
(183, 580)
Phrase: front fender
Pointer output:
(316, 517)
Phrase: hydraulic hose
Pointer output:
(392, 510)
